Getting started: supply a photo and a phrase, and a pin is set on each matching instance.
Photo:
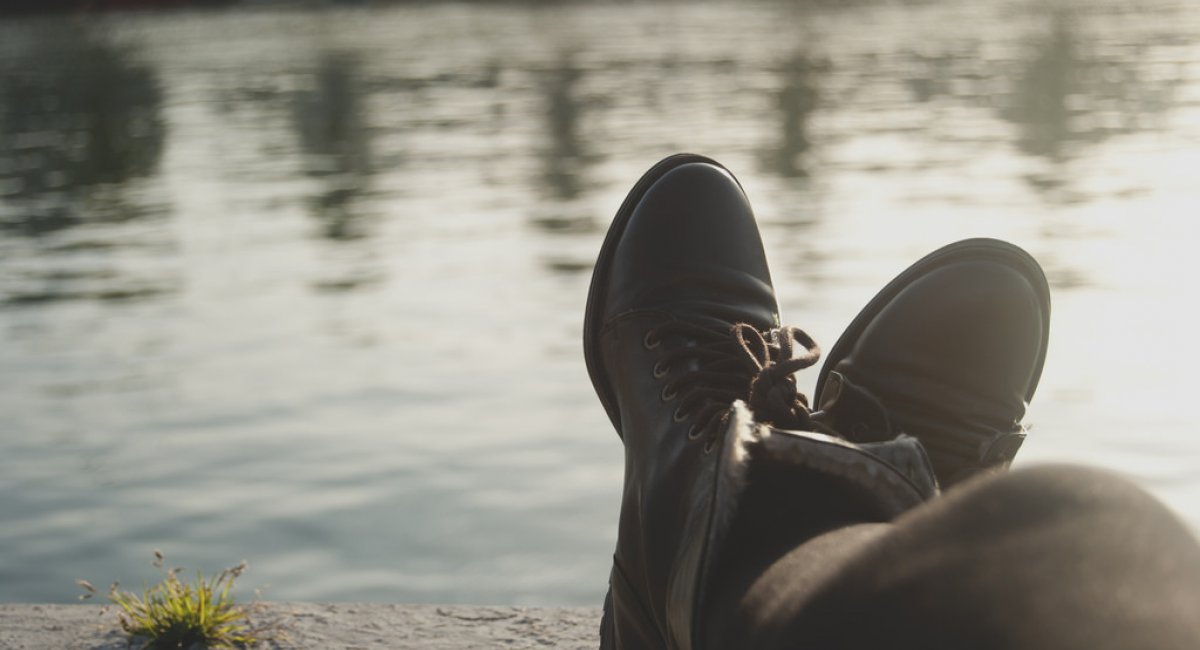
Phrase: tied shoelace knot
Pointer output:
(717, 366)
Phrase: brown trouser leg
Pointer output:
(1053, 557)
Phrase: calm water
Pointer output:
(306, 287)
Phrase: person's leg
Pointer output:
(1053, 557)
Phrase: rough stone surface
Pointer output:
(328, 626)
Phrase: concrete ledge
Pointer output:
(330, 627)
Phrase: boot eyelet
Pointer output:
(679, 415)
(668, 393)
(693, 432)
(710, 444)
(650, 343)
(660, 370)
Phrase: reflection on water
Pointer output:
(564, 157)
(306, 286)
(797, 101)
(78, 116)
(1060, 89)
(1050, 79)
(336, 139)
(80, 127)
(1072, 93)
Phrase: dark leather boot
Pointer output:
(681, 326)
(949, 352)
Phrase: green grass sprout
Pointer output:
(181, 615)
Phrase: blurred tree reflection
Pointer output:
(336, 140)
(1067, 93)
(1040, 96)
(79, 117)
(797, 102)
(565, 156)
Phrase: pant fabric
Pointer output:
(1055, 557)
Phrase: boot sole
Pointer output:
(599, 286)
(995, 250)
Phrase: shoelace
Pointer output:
(732, 364)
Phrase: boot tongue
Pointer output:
(852, 411)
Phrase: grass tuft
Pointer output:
(176, 614)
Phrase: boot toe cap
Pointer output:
(692, 239)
